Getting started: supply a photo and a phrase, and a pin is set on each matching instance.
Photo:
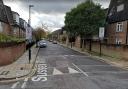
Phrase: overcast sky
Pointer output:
(48, 12)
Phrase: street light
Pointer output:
(29, 22)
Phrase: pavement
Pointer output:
(19, 68)
(59, 67)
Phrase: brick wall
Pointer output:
(112, 34)
(11, 53)
(6, 29)
(77, 42)
(120, 52)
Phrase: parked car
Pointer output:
(54, 42)
(42, 44)
(50, 41)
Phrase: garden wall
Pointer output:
(115, 51)
(10, 53)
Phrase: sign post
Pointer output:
(101, 37)
(29, 32)
(29, 38)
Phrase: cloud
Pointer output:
(52, 20)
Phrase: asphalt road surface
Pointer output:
(62, 68)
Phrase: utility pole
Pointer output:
(29, 21)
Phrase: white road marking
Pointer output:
(71, 70)
(80, 70)
(41, 73)
(39, 78)
(56, 72)
(25, 83)
(14, 85)
(26, 79)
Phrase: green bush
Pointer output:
(4, 38)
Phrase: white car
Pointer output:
(54, 42)
(42, 44)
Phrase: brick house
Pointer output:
(117, 22)
(56, 35)
(16, 24)
(23, 25)
(10, 22)
(5, 20)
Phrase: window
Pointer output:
(118, 41)
(120, 8)
(14, 31)
(1, 27)
(119, 27)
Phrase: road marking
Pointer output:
(57, 72)
(41, 73)
(25, 83)
(71, 70)
(14, 85)
(39, 78)
(4, 73)
(80, 70)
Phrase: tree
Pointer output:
(39, 33)
(84, 20)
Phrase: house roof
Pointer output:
(6, 14)
(3, 16)
(15, 13)
(15, 18)
(57, 32)
(9, 14)
(22, 23)
(117, 16)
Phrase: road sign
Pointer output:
(28, 33)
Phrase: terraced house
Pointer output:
(18, 26)
(117, 22)
(10, 23)
(23, 26)
(5, 20)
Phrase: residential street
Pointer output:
(63, 68)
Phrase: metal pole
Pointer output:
(29, 15)
(29, 51)
(29, 21)
(100, 47)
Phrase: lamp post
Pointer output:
(30, 6)
(29, 22)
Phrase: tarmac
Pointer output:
(20, 68)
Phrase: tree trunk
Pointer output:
(83, 45)
(71, 44)
(90, 45)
